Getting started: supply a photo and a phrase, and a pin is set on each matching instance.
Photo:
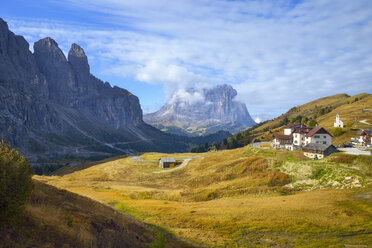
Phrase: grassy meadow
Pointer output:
(247, 197)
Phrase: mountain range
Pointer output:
(52, 106)
(200, 112)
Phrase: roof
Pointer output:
(168, 160)
(367, 131)
(316, 130)
(293, 125)
(283, 137)
(316, 147)
(302, 129)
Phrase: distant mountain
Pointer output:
(52, 106)
(202, 112)
(354, 111)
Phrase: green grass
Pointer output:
(239, 197)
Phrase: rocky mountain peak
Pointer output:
(76, 51)
(78, 59)
(220, 93)
(212, 107)
(46, 50)
(3, 24)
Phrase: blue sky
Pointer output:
(277, 54)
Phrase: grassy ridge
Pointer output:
(58, 218)
(348, 107)
(237, 197)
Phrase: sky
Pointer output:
(277, 54)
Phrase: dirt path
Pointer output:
(184, 163)
(364, 122)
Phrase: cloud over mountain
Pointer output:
(282, 52)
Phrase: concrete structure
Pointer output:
(167, 162)
(356, 151)
(298, 136)
(318, 135)
(283, 141)
(318, 151)
(288, 130)
(365, 137)
(338, 122)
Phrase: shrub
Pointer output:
(15, 183)
(318, 173)
(337, 132)
(344, 159)
(278, 178)
(210, 195)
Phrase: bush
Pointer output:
(338, 132)
(15, 183)
(318, 173)
(344, 159)
(278, 178)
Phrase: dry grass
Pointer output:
(58, 218)
(229, 198)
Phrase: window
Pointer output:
(324, 142)
(316, 136)
(325, 136)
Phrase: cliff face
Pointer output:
(70, 84)
(51, 106)
(215, 110)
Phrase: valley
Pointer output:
(252, 197)
(81, 165)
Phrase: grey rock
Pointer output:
(53, 107)
(217, 111)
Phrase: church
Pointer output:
(338, 122)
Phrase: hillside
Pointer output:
(58, 218)
(251, 197)
(323, 111)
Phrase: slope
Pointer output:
(58, 218)
(321, 112)
(251, 197)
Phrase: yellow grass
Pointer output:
(223, 199)
(56, 218)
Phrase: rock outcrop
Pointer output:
(51, 106)
(213, 110)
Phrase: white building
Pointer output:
(318, 135)
(299, 136)
(316, 142)
(338, 122)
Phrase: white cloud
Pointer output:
(275, 53)
(187, 96)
